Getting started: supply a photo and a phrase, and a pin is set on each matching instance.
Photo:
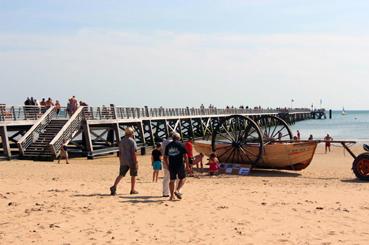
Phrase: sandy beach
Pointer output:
(45, 203)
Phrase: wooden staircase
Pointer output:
(40, 149)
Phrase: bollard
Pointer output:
(143, 150)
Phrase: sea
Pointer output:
(354, 125)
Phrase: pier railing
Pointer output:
(33, 113)
(15, 113)
(67, 132)
(103, 113)
(33, 134)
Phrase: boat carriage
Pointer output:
(264, 143)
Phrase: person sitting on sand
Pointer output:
(311, 137)
(328, 140)
(64, 153)
(128, 161)
(156, 162)
(213, 164)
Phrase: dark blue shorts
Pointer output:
(177, 171)
(124, 169)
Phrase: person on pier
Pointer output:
(128, 161)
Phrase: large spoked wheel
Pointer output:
(360, 167)
(238, 139)
(274, 128)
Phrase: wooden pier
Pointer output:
(39, 133)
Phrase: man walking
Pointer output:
(128, 161)
(175, 153)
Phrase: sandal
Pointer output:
(133, 192)
(178, 195)
(113, 190)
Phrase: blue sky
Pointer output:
(178, 53)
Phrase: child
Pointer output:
(64, 153)
(156, 162)
(213, 164)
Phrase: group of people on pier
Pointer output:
(44, 104)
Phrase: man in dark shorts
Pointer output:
(128, 161)
(175, 153)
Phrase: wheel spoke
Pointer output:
(275, 128)
(245, 153)
(248, 151)
(229, 156)
(231, 138)
(234, 154)
(278, 131)
(226, 151)
(240, 133)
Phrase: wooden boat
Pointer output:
(289, 156)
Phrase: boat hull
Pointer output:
(290, 156)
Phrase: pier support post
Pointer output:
(117, 132)
(88, 141)
(5, 142)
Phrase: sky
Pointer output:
(186, 53)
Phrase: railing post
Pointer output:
(99, 112)
(147, 114)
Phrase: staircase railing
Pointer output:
(67, 132)
(34, 132)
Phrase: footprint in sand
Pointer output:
(3, 196)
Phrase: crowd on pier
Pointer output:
(43, 104)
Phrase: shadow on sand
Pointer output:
(143, 199)
(93, 195)
(272, 173)
(355, 181)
